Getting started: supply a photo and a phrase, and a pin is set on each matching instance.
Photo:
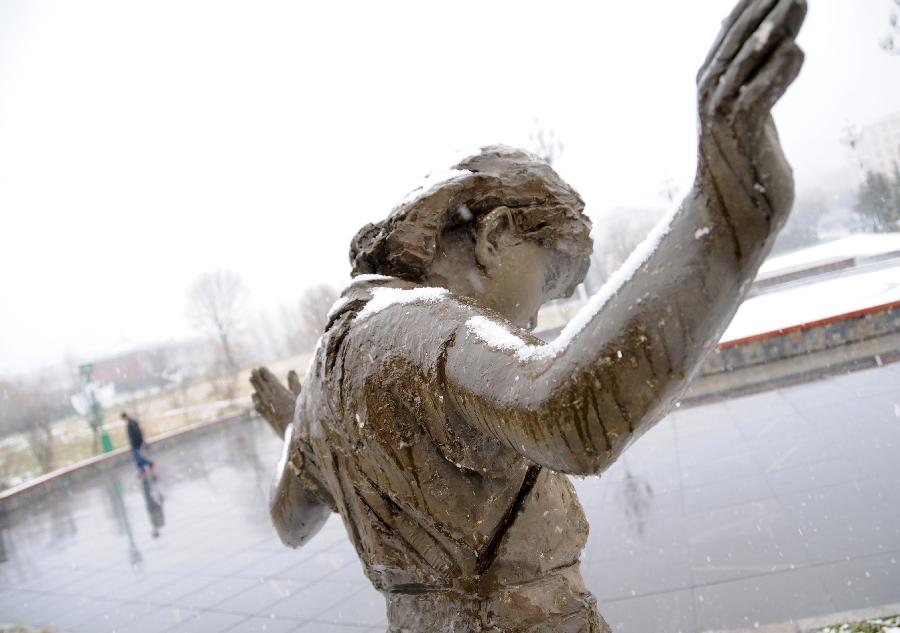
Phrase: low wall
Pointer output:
(832, 621)
(864, 338)
(61, 478)
(805, 339)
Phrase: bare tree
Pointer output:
(545, 144)
(266, 337)
(850, 139)
(891, 41)
(305, 321)
(31, 408)
(215, 303)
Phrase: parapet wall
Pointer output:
(62, 478)
(808, 338)
(857, 339)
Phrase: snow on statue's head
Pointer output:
(540, 206)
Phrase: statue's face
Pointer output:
(504, 271)
(518, 281)
(527, 275)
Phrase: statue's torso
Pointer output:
(430, 503)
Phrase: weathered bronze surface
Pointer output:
(442, 431)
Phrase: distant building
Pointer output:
(879, 145)
(151, 367)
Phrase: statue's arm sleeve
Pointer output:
(629, 355)
(575, 404)
(298, 502)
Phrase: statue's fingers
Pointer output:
(261, 387)
(265, 410)
(258, 404)
(737, 27)
(771, 81)
(261, 375)
(266, 375)
(727, 25)
(294, 383)
(781, 24)
(255, 380)
(272, 388)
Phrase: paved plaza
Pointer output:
(779, 505)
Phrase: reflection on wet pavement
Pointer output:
(754, 510)
(154, 500)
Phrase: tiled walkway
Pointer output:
(755, 510)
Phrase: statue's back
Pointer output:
(460, 532)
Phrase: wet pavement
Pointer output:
(779, 505)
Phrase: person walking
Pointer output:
(136, 440)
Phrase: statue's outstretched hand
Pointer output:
(751, 64)
(272, 400)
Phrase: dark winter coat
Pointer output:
(135, 436)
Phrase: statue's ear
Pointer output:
(489, 230)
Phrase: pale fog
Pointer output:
(144, 144)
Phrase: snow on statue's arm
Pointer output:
(575, 404)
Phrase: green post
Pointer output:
(95, 412)
(105, 440)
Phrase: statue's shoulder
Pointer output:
(378, 317)
(382, 334)
(377, 299)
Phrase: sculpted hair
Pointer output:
(542, 208)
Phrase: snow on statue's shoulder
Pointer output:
(497, 336)
(386, 297)
(336, 307)
(494, 334)
(370, 277)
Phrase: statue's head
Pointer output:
(503, 228)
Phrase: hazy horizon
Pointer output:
(144, 144)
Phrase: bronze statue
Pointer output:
(442, 431)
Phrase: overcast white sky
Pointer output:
(144, 143)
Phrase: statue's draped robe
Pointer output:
(461, 533)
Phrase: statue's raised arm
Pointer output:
(574, 405)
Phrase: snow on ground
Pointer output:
(814, 301)
(875, 625)
(860, 245)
